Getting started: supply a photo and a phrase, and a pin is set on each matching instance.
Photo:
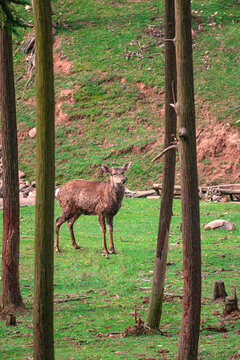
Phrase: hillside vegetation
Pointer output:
(109, 82)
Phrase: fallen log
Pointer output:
(143, 194)
(208, 192)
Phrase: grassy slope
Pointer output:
(117, 80)
(113, 287)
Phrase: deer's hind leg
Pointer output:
(59, 221)
(70, 226)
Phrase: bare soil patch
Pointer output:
(61, 65)
(218, 149)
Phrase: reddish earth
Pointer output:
(218, 145)
(218, 149)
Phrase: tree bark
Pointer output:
(44, 218)
(156, 297)
(10, 294)
(189, 335)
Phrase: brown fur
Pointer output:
(86, 197)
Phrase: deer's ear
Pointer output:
(106, 169)
(127, 166)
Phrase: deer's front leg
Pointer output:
(110, 230)
(70, 226)
(102, 223)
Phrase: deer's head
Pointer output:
(117, 176)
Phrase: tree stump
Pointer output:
(11, 320)
(219, 290)
(231, 303)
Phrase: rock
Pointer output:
(32, 194)
(216, 198)
(21, 195)
(21, 174)
(219, 224)
(32, 133)
(27, 8)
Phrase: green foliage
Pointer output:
(9, 17)
(112, 288)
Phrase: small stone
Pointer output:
(21, 174)
(32, 133)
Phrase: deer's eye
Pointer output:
(114, 174)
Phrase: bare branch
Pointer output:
(81, 297)
(164, 151)
(173, 40)
(199, 133)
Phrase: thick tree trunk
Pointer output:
(44, 219)
(156, 298)
(10, 293)
(189, 335)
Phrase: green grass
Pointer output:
(113, 54)
(112, 287)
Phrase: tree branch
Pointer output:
(164, 151)
(197, 136)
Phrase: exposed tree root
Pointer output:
(139, 328)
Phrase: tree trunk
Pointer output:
(189, 335)
(10, 294)
(44, 218)
(156, 298)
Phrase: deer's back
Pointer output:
(89, 197)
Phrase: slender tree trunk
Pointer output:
(189, 335)
(44, 219)
(156, 298)
(10, 293)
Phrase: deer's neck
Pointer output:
(116, 191)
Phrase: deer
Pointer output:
(86, 197)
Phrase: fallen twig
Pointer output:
(82, 297)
